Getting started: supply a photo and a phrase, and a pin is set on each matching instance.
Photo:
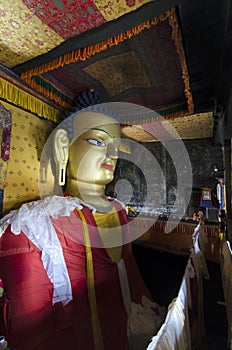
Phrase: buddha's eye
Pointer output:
(97, 142)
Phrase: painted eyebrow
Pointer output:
(102, 131)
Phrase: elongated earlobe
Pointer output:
(61, 144)
(61, 175)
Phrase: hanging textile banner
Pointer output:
(5, 125)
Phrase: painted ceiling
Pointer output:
(31, 28)
(89, 51)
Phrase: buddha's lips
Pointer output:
(108, 167)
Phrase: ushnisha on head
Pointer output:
(87, 162)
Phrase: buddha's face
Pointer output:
(93, 155)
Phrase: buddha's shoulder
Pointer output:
(37, 213)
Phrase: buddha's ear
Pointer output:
(61, 145)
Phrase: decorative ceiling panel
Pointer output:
(23, 35)
(30, 28)
(69, 18)
(119, 73)
(195, 126)
(60, 47)
(144, 65)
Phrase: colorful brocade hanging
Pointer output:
(5, 125)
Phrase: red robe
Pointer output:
(31, 322)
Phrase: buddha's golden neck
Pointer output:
(91, 194)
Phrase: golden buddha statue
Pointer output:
(91, 160)
(68, 283)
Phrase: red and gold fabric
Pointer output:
(22, 31)
(72, 18)
(33, 28)
(30, 319)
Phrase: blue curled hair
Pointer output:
(102, 108)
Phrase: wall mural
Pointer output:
(204, 157)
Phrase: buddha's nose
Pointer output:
(112, 151)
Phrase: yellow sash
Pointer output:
(110, 220)
(96, 327)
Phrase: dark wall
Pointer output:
(204, 157)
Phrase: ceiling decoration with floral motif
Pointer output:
(30, 28)
(166, 55)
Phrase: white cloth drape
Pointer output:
(33, 219)
(175, 333)
(143, 321)
(226, 271)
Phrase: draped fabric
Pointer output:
(82, 15)
(5, 136)
(15, 91)
(183, 327)
(226, 272)
(128, 51)
(30, 319)
(137, 61)
(5, 126)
